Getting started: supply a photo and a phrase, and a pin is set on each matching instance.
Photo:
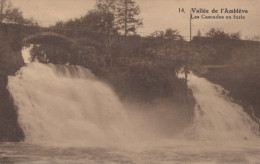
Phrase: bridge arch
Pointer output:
(48, 38)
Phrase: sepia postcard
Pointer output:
(129, 82)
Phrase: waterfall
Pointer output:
(216, 116)
(68, 105)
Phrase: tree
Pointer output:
(235, 36)
(173, 34)
(14, 15)
(107, 6)
(4, 5)
(126, 11)
(101, 23)
(217, 34)
(59, 25)
(8, 14)
(220, 34)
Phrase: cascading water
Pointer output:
(66, 104)
(61, 105)
(216, 116)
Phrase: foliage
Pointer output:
(14, 15)
(220, 34)
(173, 34)
(147, 80)
(4, 5)
(126, 12)
(95, 25)
(235, 36)
(49, 54)
(107, 6)
(8, 14)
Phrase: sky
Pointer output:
(156, 14)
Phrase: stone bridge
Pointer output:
(36, 35)
(48, 38)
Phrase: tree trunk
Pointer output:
(1, 11)
(126, 8)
